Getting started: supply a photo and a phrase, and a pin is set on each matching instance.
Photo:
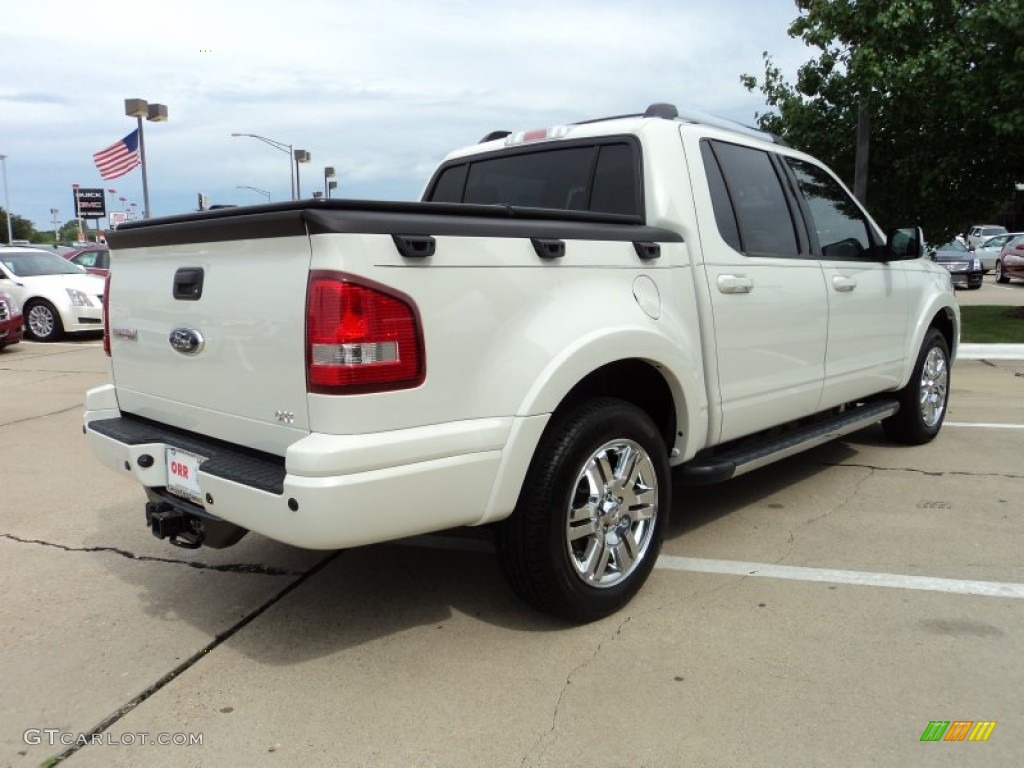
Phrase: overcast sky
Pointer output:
(381, 90)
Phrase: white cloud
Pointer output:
(381, 90)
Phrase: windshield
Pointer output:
(42, 263)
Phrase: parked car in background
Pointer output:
(95, 259)
(963, 266)
(11, 320)
(56, 296)
(1010, 261)
(989, 249)
(979, 232)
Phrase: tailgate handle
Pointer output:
(548, 249)
(647, 251)
(188, 283)
(415, 246)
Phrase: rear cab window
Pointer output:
(600, 177)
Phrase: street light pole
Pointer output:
(7, 200)
(301, 156)
(328, 174)
(255, 189)
(287, 148)
(140, 108)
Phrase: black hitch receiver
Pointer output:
(187, 525)
(181, 529)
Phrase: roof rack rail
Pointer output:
(494, 135)
(671, 112)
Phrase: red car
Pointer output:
(11, 320)
(1010, 261)
(95, 259)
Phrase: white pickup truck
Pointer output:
(569, 314)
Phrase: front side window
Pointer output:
(838, 221)
(750, 205)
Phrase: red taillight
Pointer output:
(106, 314)
(360, 337)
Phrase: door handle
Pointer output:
(843, 284)
(548, 249)
(415, 246)
(735, 284)
(188, 284)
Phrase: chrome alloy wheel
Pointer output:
(41, 321)
(612, 514)
(934, 387)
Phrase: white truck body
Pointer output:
(719, 344)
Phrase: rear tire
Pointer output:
(588, 526)
(42, 321)
(1000, 277)
(924, 400)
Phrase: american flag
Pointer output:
(119, 158)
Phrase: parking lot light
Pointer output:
(156, 113)
(7, 201)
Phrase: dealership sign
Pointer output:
(90, 203)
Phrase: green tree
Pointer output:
(943, 83)
(69, 231)
(21, 228)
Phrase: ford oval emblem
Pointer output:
(188, 341)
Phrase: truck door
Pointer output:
(867, 296)
(767, 294)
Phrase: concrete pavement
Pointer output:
(417, 654)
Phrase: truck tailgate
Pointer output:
(223, 351)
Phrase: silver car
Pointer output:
(990, 248)
(977, 234)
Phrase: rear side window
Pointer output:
(750, 205)
(603, 178)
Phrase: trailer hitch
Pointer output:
(180, 528)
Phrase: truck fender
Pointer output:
(601, 348)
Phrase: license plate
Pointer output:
(183, 474)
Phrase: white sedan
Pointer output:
(56, 296)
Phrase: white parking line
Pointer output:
(981, 425)
(831, 576)
(772, 571)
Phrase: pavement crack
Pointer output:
(538, 747)
(791, 542)
(256, 568)
(929, 473)
(190, 662)
(75, 407)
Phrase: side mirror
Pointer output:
(904, 243)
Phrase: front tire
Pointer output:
(42, 321)
(588, 526)
(924, 400)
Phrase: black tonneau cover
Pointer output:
(316, 217)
